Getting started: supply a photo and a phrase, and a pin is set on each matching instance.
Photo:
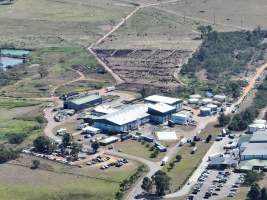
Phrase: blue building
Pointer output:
(175, 102)
(160, 112)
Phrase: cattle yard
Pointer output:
(157, 67)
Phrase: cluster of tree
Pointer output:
(252, 177)
(224, 52)
(257, 193)
(223, 119)
(222, 55)
(126, 183)
(7, 154)
(154, 153)
(16, 138)
(160, 180)
(241, 120)
(43, 144)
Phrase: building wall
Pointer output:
(179, 120)
(160, 118)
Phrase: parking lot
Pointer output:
(214, 184)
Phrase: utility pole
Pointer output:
(214, 18)
(241, 22)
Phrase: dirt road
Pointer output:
(251, 83)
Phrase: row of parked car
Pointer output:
(98, 159)
(236, 185)
(118, 163)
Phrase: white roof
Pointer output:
(162, 99)
(259, 126)
(219, 96)
(109, 139)
(104, 109)
(195, 96)
(90, 128)
(161, 107)
(205, 109)
(128, 114)
(165, 135)
(211, 106)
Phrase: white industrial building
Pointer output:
(175, 102)
(254, 151)
(166, 135)
(257, 125)
(123, 120)
(160, 112)
(256, 148)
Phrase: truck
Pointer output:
(164, 160)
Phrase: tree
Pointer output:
(162, 182)
(16, 138)
(223, 119)
(95, 145)
(43, 144)
(66, 140)
(35, 164)
(178, 158)
(208, 138)
(147, 184)
(7, 154)
(263, 194)
(254, 192)
(75, 149)
(204, 30)
(265, 115)
(42, 71)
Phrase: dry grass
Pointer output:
(46, 23)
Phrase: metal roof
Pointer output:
(109, 139)
(161, 107)
(127, 114)
(255, 149)
(249, 164)
(162, 99)
(85, 99)
(105, 109)
(259, 136)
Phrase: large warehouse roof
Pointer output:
(162, 99)
(256, 149)
(85, 99)
(126, 115)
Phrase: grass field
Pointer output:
(184, 169)
(240, 13)
(151, 28)
(60, 64)
(137, 149)
(50, 23)
(20, 118)
(18, 182)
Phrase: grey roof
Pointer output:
(255, 149)
(126, 115)
(85, 99)
(259, 136)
